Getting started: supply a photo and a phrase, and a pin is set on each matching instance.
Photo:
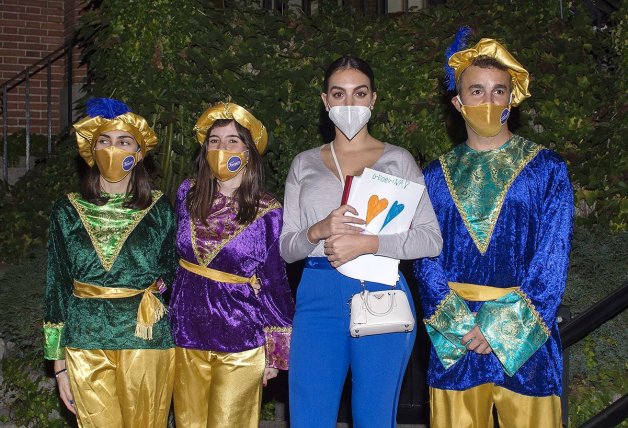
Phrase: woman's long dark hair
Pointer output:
(138, 191)
(203, 192)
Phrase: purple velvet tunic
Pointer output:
(225, 317)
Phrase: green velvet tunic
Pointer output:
(106, 246)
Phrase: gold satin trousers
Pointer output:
(473, 408)
(121, 388)
(218, 389)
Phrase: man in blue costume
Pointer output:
(505, 208)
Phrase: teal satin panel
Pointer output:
(513, 328)
(450, 322)
(479, 180)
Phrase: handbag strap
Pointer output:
(368, 307)
(333, 155)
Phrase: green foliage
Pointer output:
(24, 210)
(171, 59)
(598, 266)
(597, 389)
(35, 401)
(268, 411)
(26, 387)
(598, 363)
(21, 319)
(620, 44)
(16, 146)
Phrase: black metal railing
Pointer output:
(612, 416)
(583, 325)
(603, 311)
(24, 78)
(599, 10)
(366, 7)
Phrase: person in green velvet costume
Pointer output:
(111, 252)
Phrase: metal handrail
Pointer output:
(579, 328)
(24, 77)
(612, 416)
(599, 11)
(36, 67)
(606, 309)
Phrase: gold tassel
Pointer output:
(145, 330)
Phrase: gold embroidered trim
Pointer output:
(205, 261)
(482, 246)
(136, 217)
(277, 329)
(537, 317)
(49, 324)
(440, 307)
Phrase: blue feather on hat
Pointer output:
(459, 43)
(105, 107)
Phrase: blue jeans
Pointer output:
(322, 352)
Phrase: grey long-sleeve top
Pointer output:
(313, 191)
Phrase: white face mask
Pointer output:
(350, 119)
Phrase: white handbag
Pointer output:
(378, 312)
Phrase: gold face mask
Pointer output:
(486, 120)
(225, 164)
(114, 163)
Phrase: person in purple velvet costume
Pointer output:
(231, 307)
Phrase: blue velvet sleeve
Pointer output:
(447, 316)
(429, 271)
(544, 282)
(517, 325)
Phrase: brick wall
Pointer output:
(29, 31)
(72, 11)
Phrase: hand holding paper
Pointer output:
(336, 223)
(387, 205)
(341, 249)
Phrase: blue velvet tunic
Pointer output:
(527, 246)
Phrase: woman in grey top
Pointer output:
(315, 227)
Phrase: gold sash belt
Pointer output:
(220, 276)
(149, 311)
(479, 293)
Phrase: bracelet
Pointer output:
(59, 372)
(307, 237)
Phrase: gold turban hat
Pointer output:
(461, 60)
(106, 114)
(233, 112)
